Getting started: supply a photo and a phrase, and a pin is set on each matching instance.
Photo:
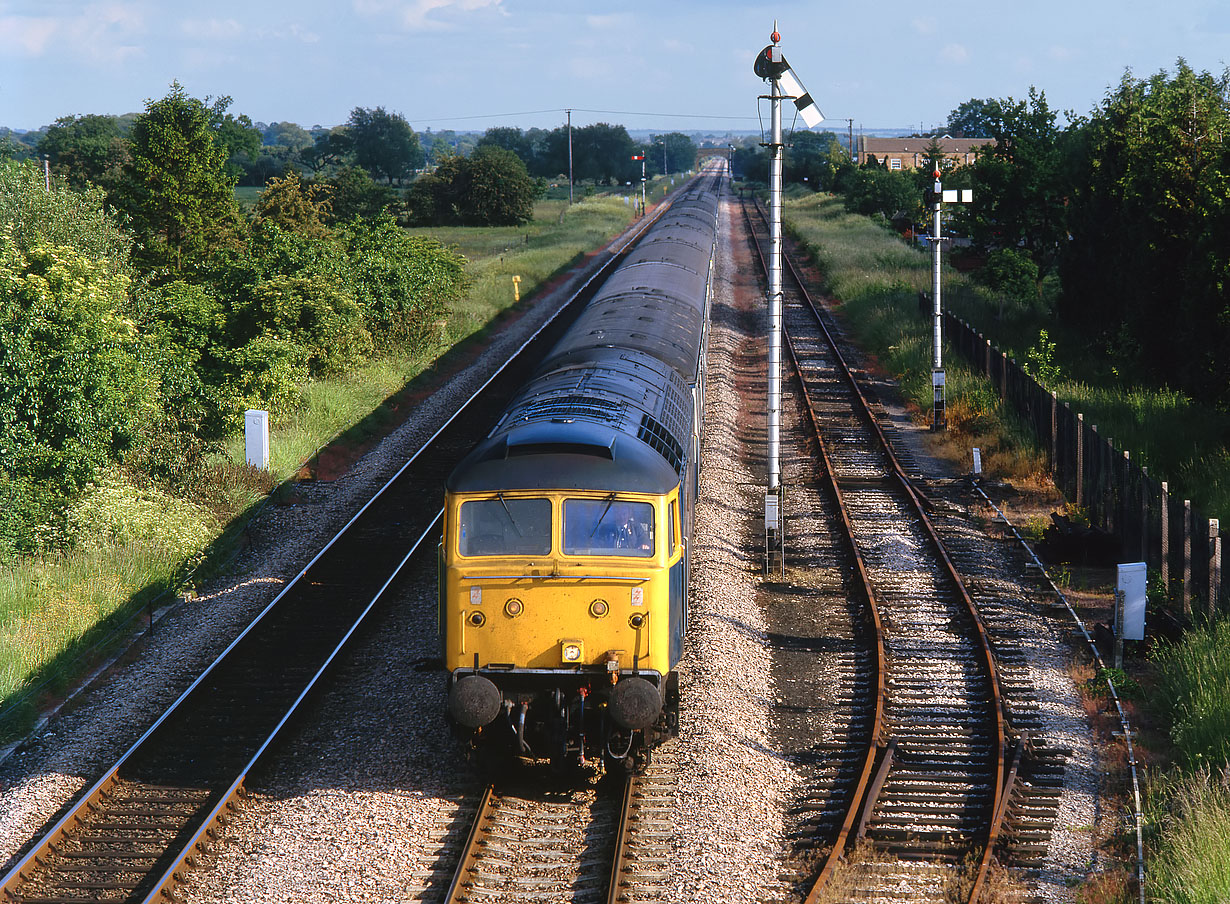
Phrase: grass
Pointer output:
(1189, 819)
(876, 278)
(60, 613)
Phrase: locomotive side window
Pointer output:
(608, 527)
(670, 528)
(505, 527)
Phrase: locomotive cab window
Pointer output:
(608, 527)
(505, 527)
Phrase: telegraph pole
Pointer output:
(569, 112)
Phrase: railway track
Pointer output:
(941, 756)
(596, 842)
(135, 833)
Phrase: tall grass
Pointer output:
(1193, 677)
(1190, 840)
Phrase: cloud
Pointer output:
(923, 26)
(212, 29)
(99, 33)
(27, 35)
(954, 53)
(424, 15)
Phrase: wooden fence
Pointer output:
(1152, 526)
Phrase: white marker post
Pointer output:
(256, 437)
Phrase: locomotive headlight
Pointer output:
(571, 651)
(514, 607)
(599, 608)
(477, 619)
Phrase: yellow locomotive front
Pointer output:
(562, 614)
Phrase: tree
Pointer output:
(680, 151)
(332, 147)
(405, 284)
(384, 144)
(491, 187)
(603, 153)
(973, 119)
(176, 191)
(86, 150)
(1146, 264)
(239, 139)
(289, 135)
(296, 206)
(353, 193)
(1018, 192)
(814, 157)
(32, 216)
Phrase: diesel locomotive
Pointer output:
(564, 560)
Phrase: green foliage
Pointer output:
(31, 216)
(1193, 677)
(816, 158)
(87, 150)
(295, 206)
(177, 193)
(1040, 361)
(403, 283)
(874, 190)
(383, 143)
(1189, 846)
(315, 313)
(353, 193)
(491, 187)
(1012, 274)
(73, 388)
(1149, 220)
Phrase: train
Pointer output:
(565, 556)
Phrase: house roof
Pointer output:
(879, 146)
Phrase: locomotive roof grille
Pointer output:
(570, 406)
(655, 435)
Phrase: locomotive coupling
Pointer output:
(635, 703)
(474, 701)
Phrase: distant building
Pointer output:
(911, 153)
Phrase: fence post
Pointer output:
(987, 363)
(1187, 557)
(1214, 566)
(1144, 514)
(1003, 376)
(1166, 540)
(1080, 460)
(1054, 431)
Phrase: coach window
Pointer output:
(505, 527)
(608, 527)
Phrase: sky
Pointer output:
(646, 64)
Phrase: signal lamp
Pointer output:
(599, 608)
(514, 607)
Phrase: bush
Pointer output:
(74, 388)
(404, 283)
